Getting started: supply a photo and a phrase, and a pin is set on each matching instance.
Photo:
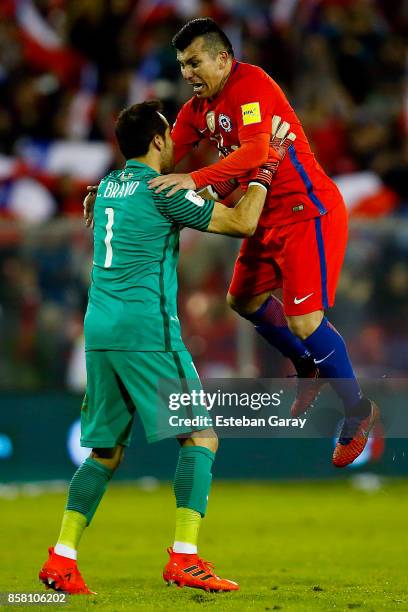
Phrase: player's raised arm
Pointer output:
(189, 209)
(250, 155)
(246, 154)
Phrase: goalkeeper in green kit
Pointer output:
(133, 341)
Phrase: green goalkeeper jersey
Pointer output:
(133, 295)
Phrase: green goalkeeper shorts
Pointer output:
(156, 385)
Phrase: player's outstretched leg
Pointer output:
(360, 414)
(191, 487)
(270, 322)
(60, 571)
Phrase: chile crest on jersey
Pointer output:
(220, 127)
(225, 122)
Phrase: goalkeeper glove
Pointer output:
(264, 176)
(281, 140)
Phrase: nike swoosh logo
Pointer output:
(324, 358)
(299, 301)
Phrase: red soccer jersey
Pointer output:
(244, 108)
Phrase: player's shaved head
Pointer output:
(137, 125)
(214, 39)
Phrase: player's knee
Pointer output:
(303, 326)
(207, 438)
(246, 306)
(232, 302)
(213, 443)
(110, 457)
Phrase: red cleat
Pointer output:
(308, 388)
(191, 571)
(62, 574)
(354, 436)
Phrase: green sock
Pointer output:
(87, 487)
(193, 478)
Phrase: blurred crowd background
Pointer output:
(67, 67)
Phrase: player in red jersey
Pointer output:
(301, 238)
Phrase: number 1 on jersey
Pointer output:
(109, 233)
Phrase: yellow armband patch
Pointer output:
(251, 113)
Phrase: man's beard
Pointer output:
(167, 167)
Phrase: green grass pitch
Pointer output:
(293, 546)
